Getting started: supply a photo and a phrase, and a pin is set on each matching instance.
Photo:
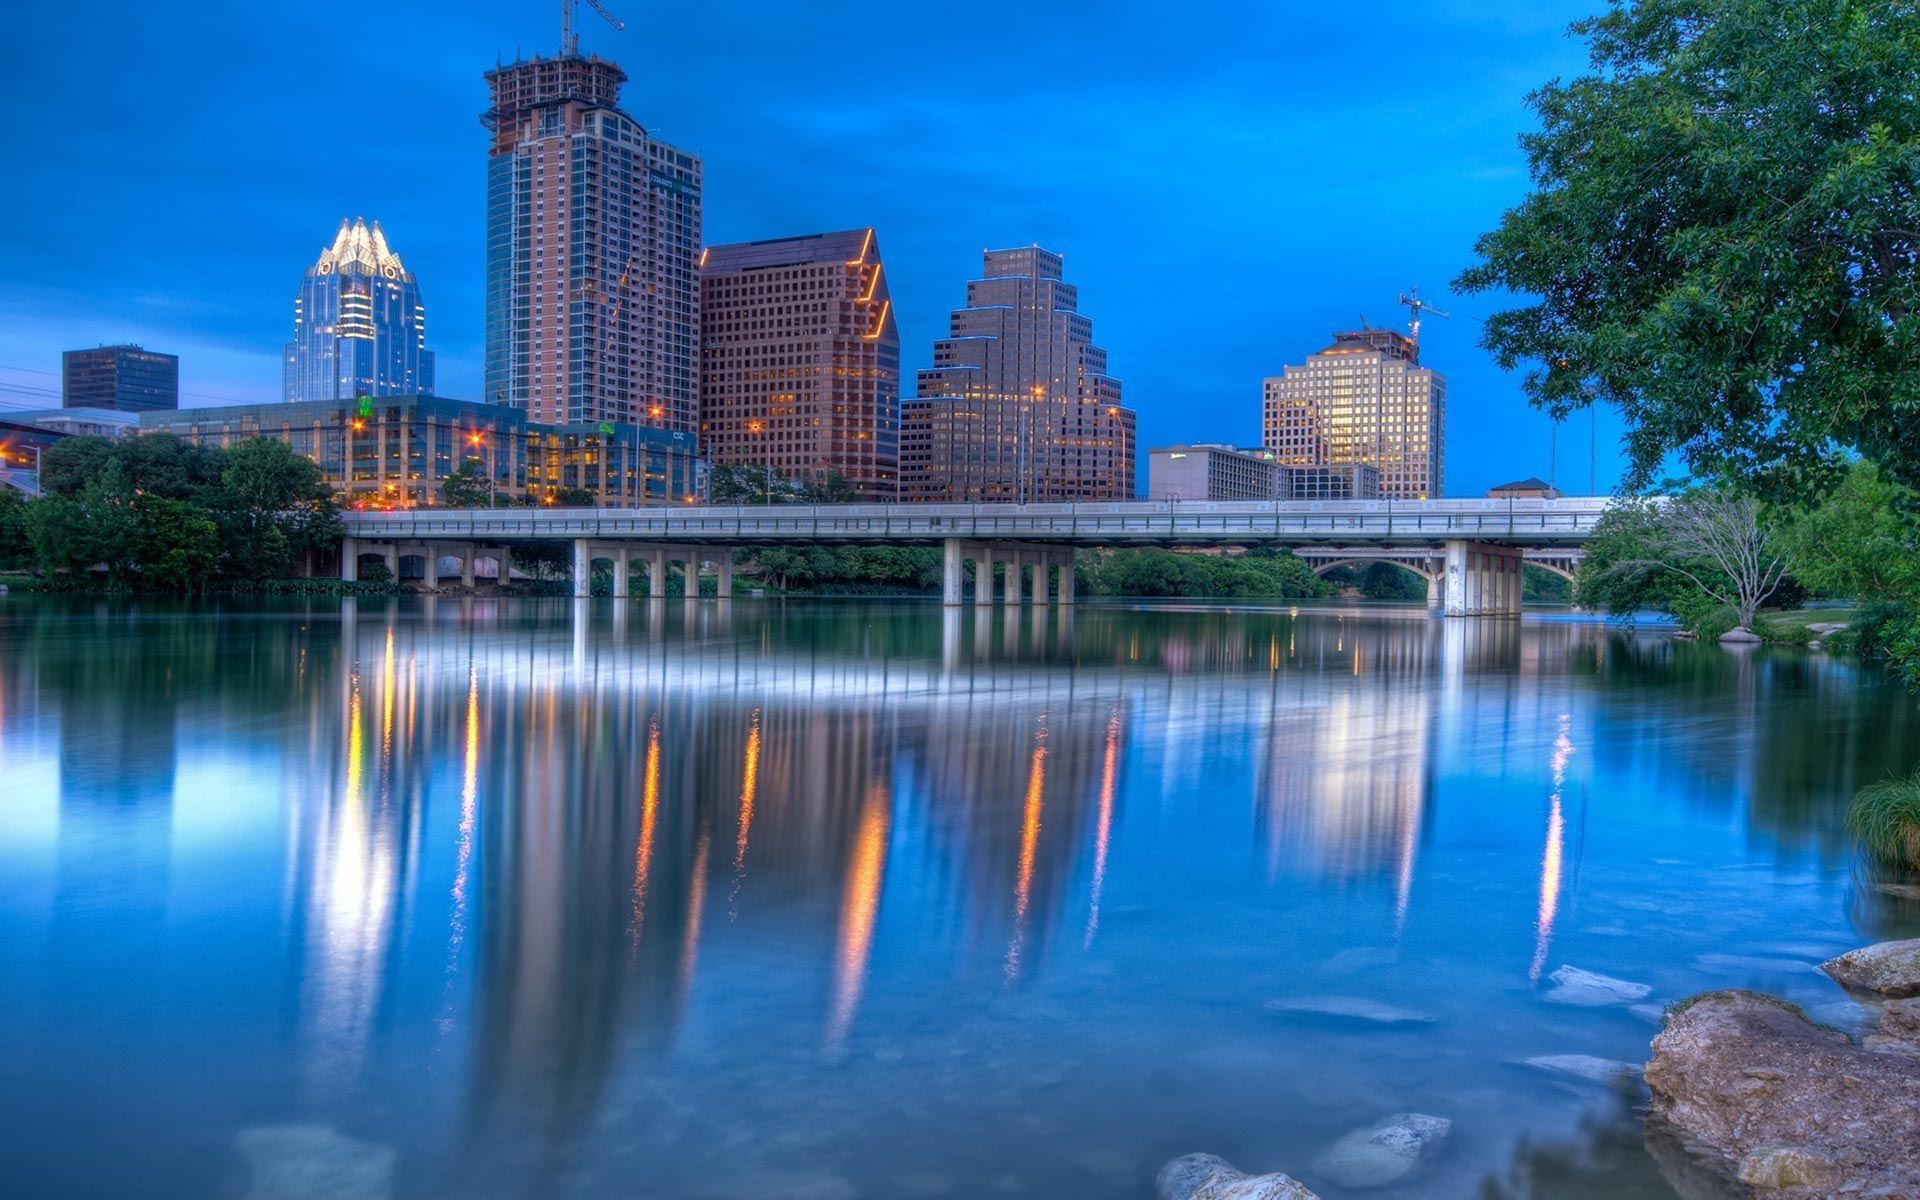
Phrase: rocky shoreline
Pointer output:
(1750, 1098)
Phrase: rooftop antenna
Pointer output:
(1410, 299)
(569, 37)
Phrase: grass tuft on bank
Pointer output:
(1885, 817)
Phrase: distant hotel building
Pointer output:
(359, 328)
(800, 360)
(1214, 472)
(1364, 399)
(593, 247)
(119, 378)
(395, 451)
(1018, 405)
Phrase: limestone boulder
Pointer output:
(1885, 969)
(1210, 1177)
(313, 1162)
(1386, 1152)
(1792, 1110)
(1590, 989)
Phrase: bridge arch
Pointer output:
(1322, 566)
(1568, 573)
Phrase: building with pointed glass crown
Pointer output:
(359, 328)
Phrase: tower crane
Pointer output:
(1411, 301)
(569, 39)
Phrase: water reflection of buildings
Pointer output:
(641, 808)
(1346, 772)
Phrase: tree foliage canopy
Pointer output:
(157, 513)
(1694, 555)
(1722, 238)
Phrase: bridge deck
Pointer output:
(1566, 521)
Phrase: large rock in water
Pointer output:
(1385, 1152)
(1210, 1177)
(1887, 968)
(1590, 989)
(1789, 1108)
(314, 1162)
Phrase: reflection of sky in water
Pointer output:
(880, 898)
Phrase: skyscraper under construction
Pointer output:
(593, 252)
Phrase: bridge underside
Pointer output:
(1465, 578)
(1471, 553)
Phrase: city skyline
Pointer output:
(1123, 224)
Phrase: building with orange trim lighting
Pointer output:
(1018, 406)
(800, 361)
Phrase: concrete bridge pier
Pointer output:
(1482, 580)
(582, 568)
(950, 571)
(983, 576)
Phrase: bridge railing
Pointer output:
(1150, 521)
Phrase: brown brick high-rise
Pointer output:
(800, 360)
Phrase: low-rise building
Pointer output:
(397, 451)
(1531, 488)
(81, 422)
(1209, 471)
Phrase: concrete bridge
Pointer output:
(1470, 551)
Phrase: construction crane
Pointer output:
(569, 39)
(1411, 301)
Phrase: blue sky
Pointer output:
(1228, 182)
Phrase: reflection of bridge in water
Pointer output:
(1469, 551)
(696, 645)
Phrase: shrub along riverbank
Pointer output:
(157, 514)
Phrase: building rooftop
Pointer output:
(845, 246)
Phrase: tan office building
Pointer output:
(1363, 400)
(800, 360)
(1018, 405)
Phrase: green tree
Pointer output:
(1860, 542)
(67, 466)
(1723, 236)
(1694, 555)
(1384, 581)
(737, 483)
(573, 497)
(16, 547)
(271, 504)
(831, 488)
(97, 527)
(179, 544)
(467, 486)
(161, 464)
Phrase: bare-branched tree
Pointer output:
(1717, 539)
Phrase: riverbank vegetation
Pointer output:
(157, 514)
(1845, 567)
(1885, 817)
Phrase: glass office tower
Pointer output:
(359, 328)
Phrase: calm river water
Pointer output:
(837, 900)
